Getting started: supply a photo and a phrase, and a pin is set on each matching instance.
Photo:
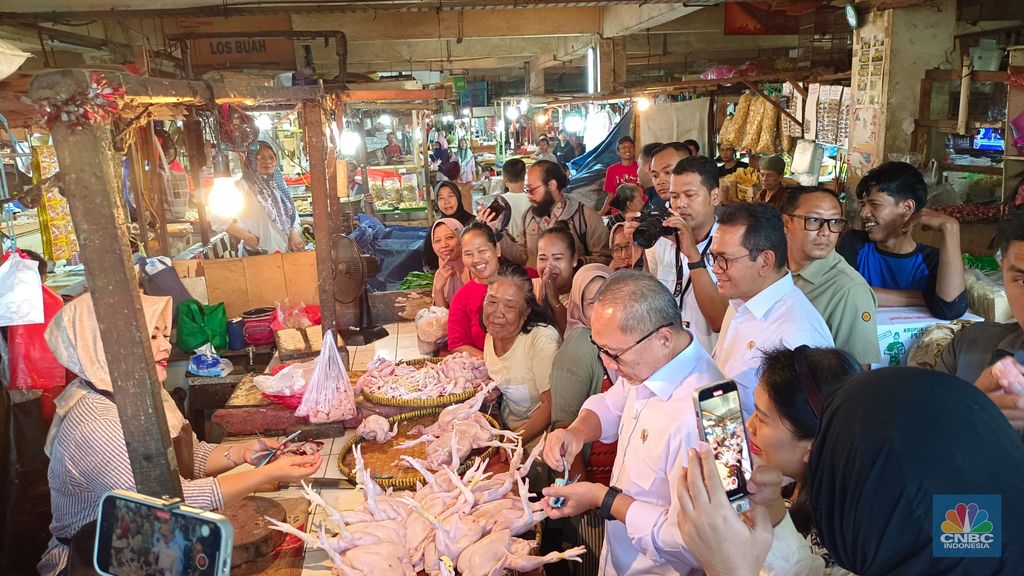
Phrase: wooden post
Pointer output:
(154, 184)
(196, 150)
(316, 151)
(137, 177)
(87, 162)
(965, 96)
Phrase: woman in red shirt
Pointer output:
(481, 256)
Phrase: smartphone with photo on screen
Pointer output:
(138, 535)
(721, 425)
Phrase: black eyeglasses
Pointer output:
(814, 223)
(615, 357)
(713, 260)
(529, 190)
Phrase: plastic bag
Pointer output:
(30, 362)
(290, 381)
(21, 299)
(200, 324)
(329, 396)
(431, 328)
(205, 362)
(290, 315)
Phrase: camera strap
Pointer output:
(681, 290)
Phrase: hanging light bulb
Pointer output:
(541, 118)
(643, 103)
(574, 124)
(467, 112)
(263, 122)
(225, 199)
(348, 143)
(524, 105)
(385, 119)
(499, 125)
(512, 113)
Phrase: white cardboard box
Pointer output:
(900, 328)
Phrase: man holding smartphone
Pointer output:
(649, 411)
(991, 354)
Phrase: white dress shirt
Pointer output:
(655, 423)
(661, 262)
(778, 316)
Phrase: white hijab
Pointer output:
(74, 338)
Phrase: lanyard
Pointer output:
(681, 290)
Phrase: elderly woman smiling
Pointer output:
(519, 350)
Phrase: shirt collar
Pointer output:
(1013, 342)
(664, 382)
(763, 301)
(815, 270)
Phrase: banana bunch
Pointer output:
(744, 177)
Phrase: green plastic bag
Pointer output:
(199, 324)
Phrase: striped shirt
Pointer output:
(89, 459)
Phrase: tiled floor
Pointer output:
(400, 344)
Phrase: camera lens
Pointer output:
(647, 233)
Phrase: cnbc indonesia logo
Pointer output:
(967, 527)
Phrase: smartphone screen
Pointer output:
(138, 539)
(721, 421)
(496, 207)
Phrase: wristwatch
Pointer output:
(697, 265)
(609, 500)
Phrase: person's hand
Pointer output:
(1009, 402)
(928, 218)
(291, 469)
(444, 272)
(253, 452)
(548, 279)
(488, 217)
(1009, 374)
(561, 443)
(765, 488)
(251, 240)
(493, 395)
(687, 244)
(630, 225)
(296, 243)
(724, 543)
(579, 498)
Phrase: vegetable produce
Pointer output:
(417, 281)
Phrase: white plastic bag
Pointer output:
(290, 381)
(21, 292)
(329, 396)
(431, 328)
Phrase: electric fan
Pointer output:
(351, 270)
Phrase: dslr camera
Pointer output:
(652, 226)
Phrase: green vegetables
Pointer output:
(417, 281)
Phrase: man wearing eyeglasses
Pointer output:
(766, 310)
(814, 218)
(649, 412)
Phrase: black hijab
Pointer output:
(889, 441)
(430, 261)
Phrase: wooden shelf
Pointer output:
(979, 76)
(1014, 158)
(950, 125)
(994, 170)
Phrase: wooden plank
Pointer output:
(300, 277)
(196, 151)
(264, 280)
(394, 95)
(225, 282)
(316, 151)
(87, 161)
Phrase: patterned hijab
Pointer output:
(584, 275)
(269, 190)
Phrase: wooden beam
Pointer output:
(87, 161)
(316, 151)
(195, 147)
(774, 103)
(798, 87)
(395, 95)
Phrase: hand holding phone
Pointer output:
(720, 418)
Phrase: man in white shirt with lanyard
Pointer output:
(766, 309)
(649, 411)
(680, 264)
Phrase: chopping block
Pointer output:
(254, 540)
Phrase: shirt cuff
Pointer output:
(204, 494)
(200, 455)
(641, 520)
(609, 420)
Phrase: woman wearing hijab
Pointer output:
(892, 445)
(268, 221)
(449, 203)
(86, 445)
(451, 274)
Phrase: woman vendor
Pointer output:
(519, 350)
(449, 203)
(451, 274)
(625, 254)
(86, 445)
(556, 263)
(268, 221)
(481, 257)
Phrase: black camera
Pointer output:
(652, 226)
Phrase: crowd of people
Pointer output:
(602, 342)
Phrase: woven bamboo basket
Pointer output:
(438, 402)
(408, 481)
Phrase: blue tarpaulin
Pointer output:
(398, 248)
(591, 166)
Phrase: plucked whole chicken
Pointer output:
(456, 374)
(375, 427)
(466, 522)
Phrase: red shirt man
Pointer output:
(622, 172)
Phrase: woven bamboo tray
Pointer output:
(409, 480)
(438, 402)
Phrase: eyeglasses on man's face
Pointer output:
(615, 357)
(814, 223)
(721, 261)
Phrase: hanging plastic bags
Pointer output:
(329, 396)
(21, 291)
(31, 364)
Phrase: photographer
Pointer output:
(676, 258)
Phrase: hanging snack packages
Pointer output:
(329, 396)
(769, 128)
(733, 132)
(752, 131)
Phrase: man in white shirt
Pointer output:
(766, 309)
(513, 172)
(649, 411)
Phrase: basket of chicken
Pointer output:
(471, 523)
(423, 383)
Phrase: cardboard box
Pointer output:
(252, 282)
(900, 328)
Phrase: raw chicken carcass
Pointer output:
(375, 427)
(329, 396)
(499, 551)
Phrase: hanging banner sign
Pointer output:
(226, 53)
